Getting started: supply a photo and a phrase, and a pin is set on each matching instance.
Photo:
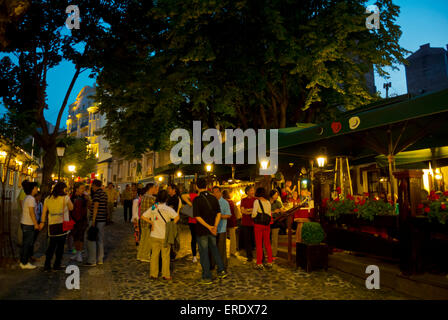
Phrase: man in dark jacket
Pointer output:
(206, 210)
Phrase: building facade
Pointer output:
(16, 165)
(125, 171)
(427, 70)
(84, 121)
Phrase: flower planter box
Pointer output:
(438, 228)
(347, 219)
(389, 222)
(362, 242)
(310, 257)
(378, 221)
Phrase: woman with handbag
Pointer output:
(261, 214)
(55, 208)
(79, 215)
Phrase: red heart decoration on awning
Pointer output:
(336, 127)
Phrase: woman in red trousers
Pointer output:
(261, 214)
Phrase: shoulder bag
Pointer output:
(68, 223)
(262, 218)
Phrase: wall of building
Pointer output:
(84, 121)
(427, 70)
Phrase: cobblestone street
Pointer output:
(123, 277)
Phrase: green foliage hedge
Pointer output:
(312, 233)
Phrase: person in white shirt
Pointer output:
(158, 216)
(137, 194)
(29, 225)
(261, 214)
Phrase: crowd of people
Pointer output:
(212, 218)
(154, 212)
(66, 215)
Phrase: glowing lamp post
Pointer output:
(72, 170)
(264, 164)
(321, 160)
(3, 155)
(60, 150)
(209, 169)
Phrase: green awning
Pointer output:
(415, 157)
(410, 124)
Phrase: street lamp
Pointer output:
(3, 155)
(60, 150)
(179, 174)
(264, 164)
(209, 169)
(322, 157)
(71, 168)
(321, 160)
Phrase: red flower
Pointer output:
(338, 190)
(356, 210)
(336, 200)
(427, 209)
(350, 197)
(366, 194)
(420, 205)
(436, 197)
(332, 209)
(363, 202)
(445, 193)
(443, 206)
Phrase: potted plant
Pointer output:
(311, 252)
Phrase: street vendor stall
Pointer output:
(388, 129)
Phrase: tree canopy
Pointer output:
(35, 42)
(247, 64)
(77, 154)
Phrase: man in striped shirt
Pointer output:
(98, 219)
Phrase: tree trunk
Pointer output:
(264, 121)
(282, 122)
(49, 162)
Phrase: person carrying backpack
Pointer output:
(159, 216)
(79, 215)
(261, 214)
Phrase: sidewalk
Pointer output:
(123, 277)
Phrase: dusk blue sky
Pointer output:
(421, 22)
